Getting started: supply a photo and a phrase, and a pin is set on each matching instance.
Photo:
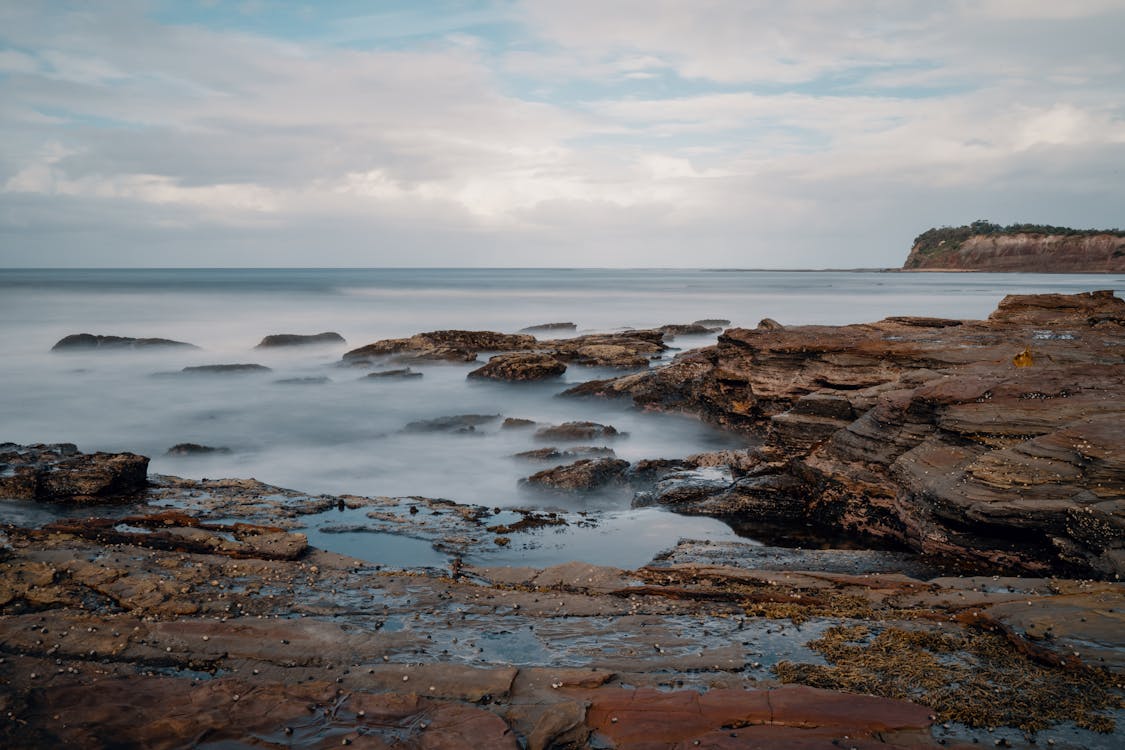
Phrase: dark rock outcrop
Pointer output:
(580, 476)
(545, 327)
(60, 472)
(555, 454)
(195, 449)
(403, 373)
(520, 366)
(577, 431)
(995, 442)
(688, 329)
(88, 341)
(453, 346)
(297, 339)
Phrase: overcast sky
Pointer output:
(688, 133)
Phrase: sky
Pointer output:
(556, 133)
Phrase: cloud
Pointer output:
(620, 133)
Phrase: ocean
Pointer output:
(346, 435)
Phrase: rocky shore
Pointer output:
(995, 442)
(974, 466)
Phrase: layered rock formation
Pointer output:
(1024, 252)
(60, 472)
(998, 442)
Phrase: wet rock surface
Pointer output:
(296, 339)
(89, 341)
(59, 472)
(996, 442)
(144, 629)
(584, 474)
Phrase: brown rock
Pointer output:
(577, 431)
(451, 345)
(160, 712)
(520, 366)
(586, 474)
(60, 472)
(787, 717)
(922, 432)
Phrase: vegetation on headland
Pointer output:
(950, 238)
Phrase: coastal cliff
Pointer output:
(988, 247)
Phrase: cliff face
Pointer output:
(1029, 253)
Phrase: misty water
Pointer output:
(346, 435)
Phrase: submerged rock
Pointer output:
(455, 423)
(584, 475)
(86, 341)
(239, 369)
(60, 472)
(296, 339)
(195, 449)
(520, 366)
(311, 380)
(404, 373)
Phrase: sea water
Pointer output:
(346, 435)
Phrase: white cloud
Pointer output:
(733, 128)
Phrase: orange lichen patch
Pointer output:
(1024, 358)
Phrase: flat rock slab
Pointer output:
(164, 712)
(788, 717)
